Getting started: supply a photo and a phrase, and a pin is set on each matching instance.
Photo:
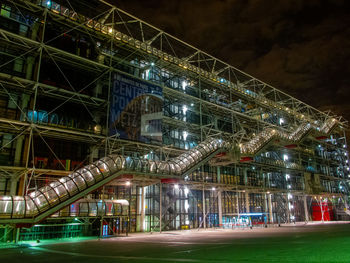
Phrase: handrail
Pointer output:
(259, 141)
(68, 189)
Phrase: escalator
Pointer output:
(39, 204)
(93, 208)
(258, 142)
(49, 199)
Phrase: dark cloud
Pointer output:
(301, 47)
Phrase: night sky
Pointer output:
(299, 46)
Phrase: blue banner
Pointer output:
(136, 109)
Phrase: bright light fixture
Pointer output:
(186, 191)
(185, 134)
(184, 84)
(184, 109)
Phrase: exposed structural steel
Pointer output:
(160, 44)
(256, 143)
(49, 199)
(69, 67)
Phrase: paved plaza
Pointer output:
(293, 243)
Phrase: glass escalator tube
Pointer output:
(30, 209)
(40, 200)
(93, 208)
(66, 187)
(51, 195)
(79, 180)
(152, 167)
(164, 167)
(254, 144)
(191, 159)
(138, 165)
(18, 208)
(83, 209)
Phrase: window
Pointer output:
(23, 29)
(18, 65)
(5, 10)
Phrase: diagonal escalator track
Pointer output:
(49, 199)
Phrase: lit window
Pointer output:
(184, 85)
(185, 134)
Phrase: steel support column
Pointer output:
(220, 208)
(306, 210)
(269, 196)
(247, 203)
(203, 204)
(160, 208)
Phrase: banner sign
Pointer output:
(136, 110)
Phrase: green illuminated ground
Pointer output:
(312, 243)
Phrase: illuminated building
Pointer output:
(127, 111)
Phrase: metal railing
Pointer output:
(92, 208)
(260, 140)
(68, 189)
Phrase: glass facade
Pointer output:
(238, 149)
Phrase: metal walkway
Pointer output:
(49, 199)
(262, 139)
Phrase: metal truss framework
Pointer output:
(127, 38)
